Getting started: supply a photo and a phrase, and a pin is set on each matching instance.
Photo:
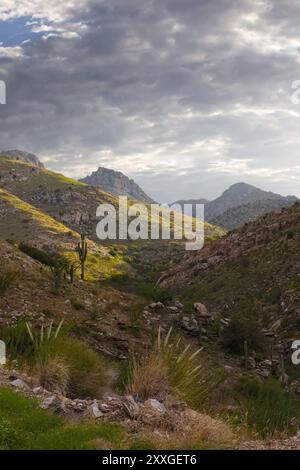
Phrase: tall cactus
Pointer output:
(82, 250)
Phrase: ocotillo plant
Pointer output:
(82, 250)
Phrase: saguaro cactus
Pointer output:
(82, 250)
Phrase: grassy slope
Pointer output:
(33, 183)
(24, 426)
(22, 222)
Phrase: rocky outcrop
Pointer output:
(22, 157)
(116, 183)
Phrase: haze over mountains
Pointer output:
(239, 204)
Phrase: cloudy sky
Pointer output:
(186, 96)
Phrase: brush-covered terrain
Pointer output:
(147, 347)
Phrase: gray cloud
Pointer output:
(187, 97)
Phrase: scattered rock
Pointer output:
(201, 310)
(94, 411)
(131, 407)
(155, 305)
(155, 406)
(20, 384)
(53, 403)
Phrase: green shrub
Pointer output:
(38, 255)
(268, 408)
(88, 370)
(18, 343)
(66, 364)
(6, 280)
(239, 331)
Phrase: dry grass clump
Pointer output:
(149, 378)
(172, 370)
(54, 375)
(65, 364)
(189, 430)
(196, 428)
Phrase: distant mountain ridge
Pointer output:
(21, 156)
(116, 183)
(241, 203)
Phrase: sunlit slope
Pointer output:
(68, 201)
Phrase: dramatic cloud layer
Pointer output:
(185, 96)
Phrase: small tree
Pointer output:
(82, 250)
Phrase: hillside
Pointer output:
(241, 203)
(238, 216)
(66, 200)
(116, 183)
(253, 272)
(21, 156)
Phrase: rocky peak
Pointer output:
(116, 183)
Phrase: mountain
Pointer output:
(240, 203)
(116, 183)
(68, 201)
(238, 216)
(22, 156)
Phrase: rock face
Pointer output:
(22, 156)
(116, 183)
(241, 203)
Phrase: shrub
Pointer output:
(58, 264)
(38, 255)
(268, 408)
(87, 368)
(6, 280)
(239, 331)
(18, 342)
(67, 364)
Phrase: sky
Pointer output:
(185, 96)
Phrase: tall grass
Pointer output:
(65, 364)
(172, 369)
(268, 409)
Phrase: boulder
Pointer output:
(20, 384)
(156, 406)
(94, 411)
(201, 310)
(53, 403)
